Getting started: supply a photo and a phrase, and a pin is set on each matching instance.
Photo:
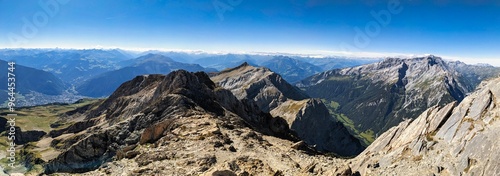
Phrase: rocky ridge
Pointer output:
(150, 108)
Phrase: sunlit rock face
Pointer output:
(455, 139)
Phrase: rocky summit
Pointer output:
(375, 97)
(258, 84)
(308, 118)
(153, 109)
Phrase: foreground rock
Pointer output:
(451, 140)
(203, 146)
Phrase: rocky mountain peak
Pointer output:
(420, 73)
(380, 95)
(196, 86)
(432, 60)
(259, 84)
(245, 66)
(181, 79)
(135, 85)
(391, 69)
(389, 62)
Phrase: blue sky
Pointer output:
(467, 29)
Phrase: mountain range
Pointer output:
(83, 71)
(71, 66)
(29, 83)
(104, 84)
(293, 70)
(32, 80)
(372, 98)
(249, 120)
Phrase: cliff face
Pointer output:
(308, 118)
(313, 124)
(450, 140)
(379, 96)
(146, 109)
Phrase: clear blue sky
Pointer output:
(465, 29)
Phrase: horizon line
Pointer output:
(310, 54)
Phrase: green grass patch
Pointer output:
(366, 137)
(36, 118)
(331, 105)
(369, 135)
(40, 117)
(345, 120)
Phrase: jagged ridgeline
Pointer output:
(372, 98)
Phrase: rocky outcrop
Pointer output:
(214, 146)
(312, 122)
(3, 124)
(146, 109)
(450, 140)
(379, 96)
(308, 118)
(23, 137)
